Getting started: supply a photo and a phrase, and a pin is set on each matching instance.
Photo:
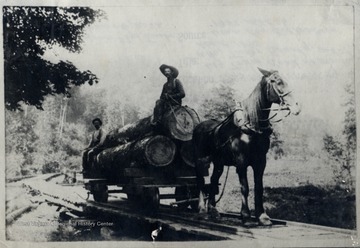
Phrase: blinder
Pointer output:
(272, 80)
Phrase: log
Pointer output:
(187, 153)
(177, 123)
(157, 151)
(128, 132)
(154, 151)
(10, 218)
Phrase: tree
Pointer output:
(93, 106)
(349, 130)
(276, 145)
(59, 143)
(28, 32)
(119, 113)
(20, 142)
(220, 103)
(342, 151)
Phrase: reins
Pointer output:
(281, 107)
(278, 110)
(282, 104)
(223, 189)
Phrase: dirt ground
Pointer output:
(302, 191)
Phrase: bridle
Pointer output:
(282, 105)
(280, 95)
(271, 81)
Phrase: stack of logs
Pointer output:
(141, 144)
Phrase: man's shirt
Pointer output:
(174, 90)
(97, 137)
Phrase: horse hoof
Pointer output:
(202, 216)
(264, 220)
(213, 213)
(245, 215)
(202, 211)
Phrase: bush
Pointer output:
(50, 167)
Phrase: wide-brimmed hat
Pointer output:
(174, 71)
(97, 119)
(266, 73)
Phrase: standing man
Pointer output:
(97, 138)
(171, 95)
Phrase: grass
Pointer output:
(297, 190)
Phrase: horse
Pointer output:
(241, 140)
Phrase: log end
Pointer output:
(160, 151)
(180, 123)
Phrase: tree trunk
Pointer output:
(155, 151)
(177, 123)
(187, 153)
(128, 133)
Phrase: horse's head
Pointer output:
(278, 91)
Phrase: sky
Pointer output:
(310, 46)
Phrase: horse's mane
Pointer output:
(252, 105)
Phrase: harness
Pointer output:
(247, 128)
(281, 97)
(244, 128)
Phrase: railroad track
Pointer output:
(231, 226)
(188, 223)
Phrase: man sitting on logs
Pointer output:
(94, 146)
(171, 95)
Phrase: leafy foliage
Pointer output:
(219, 104)
(28, 77)
(276, 145)
(222, 101)
(20, 141)
(118, 114)
(53, 139)
(342, 151)
(350, 120)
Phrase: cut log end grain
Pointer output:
(177, 123)
(156, 151)
(180, 123)
(160, 151)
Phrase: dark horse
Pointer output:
(242, 139)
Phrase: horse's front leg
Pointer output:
(244, 190)
(214, 182)
(259, 168)
(214, 187)
(201, 170)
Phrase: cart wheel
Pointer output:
(100, 193)
(151, 198)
